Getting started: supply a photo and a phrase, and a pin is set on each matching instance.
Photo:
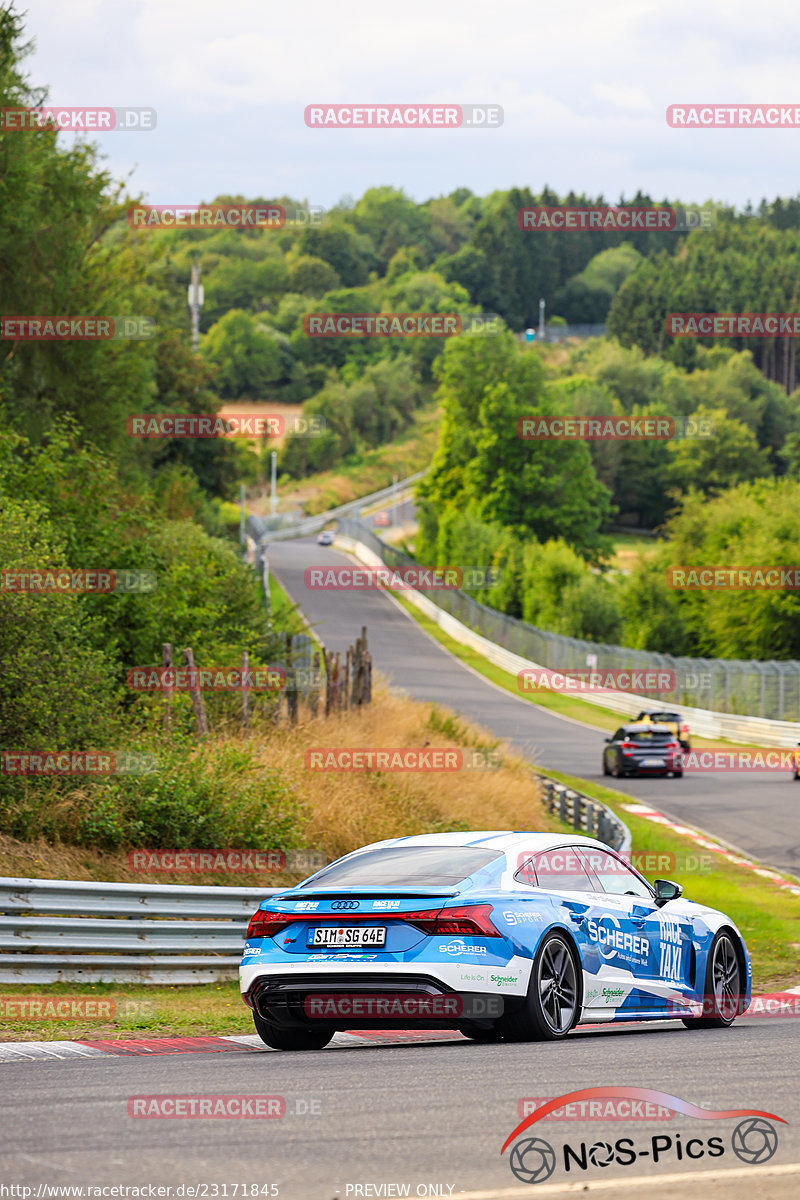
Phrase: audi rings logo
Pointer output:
(340, 904)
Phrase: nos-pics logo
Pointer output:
(753, 1140)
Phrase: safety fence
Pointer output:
(750, 689)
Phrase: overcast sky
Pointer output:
(584, 87)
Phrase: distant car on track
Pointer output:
(325, 538)
(675, 721)
(381, 518)
(554, 930)
(640, 749)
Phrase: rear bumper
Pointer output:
(281, 992)
(310, 1000)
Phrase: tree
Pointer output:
(546, 488)
(312, 275)
(245, 354)
(710, 464)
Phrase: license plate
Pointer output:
(653, 762)
(344, 936)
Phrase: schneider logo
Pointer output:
(504, 978)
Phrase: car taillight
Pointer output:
(673, 745)
(471, 921)
(626, 747)
(264, 923)
(684, 728)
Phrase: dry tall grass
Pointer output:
(348, 808)
(342, 810)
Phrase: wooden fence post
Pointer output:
(291, 682)
(313, 694)
(245, 689)
(196, 693)
(166, 664)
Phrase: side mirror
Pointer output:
(666, 890)
(609, 739)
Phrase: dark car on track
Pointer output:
(640, 749)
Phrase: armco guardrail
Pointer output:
(162, 933)
(259, 528)
(52, 931)
(587, 815)
(703, 722)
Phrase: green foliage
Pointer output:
(741, 265)
(360, 411)
(59, 687)
(543, 488)
(199, 798)
(249, 358)
(753, 524)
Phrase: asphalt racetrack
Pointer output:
(432, 1112)
(757, 812)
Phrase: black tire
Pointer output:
(615, 770)
(606, 771)
(290, 1039)
(678, 774)
(723, 984)
(548, 1013)
(479, 1033)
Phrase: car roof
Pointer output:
(504, 840)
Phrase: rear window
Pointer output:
(406, 866)
(647, 735)
(666, 718)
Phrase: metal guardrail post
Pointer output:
(576, 810)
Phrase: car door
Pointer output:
(652, 948)
(561, 873)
